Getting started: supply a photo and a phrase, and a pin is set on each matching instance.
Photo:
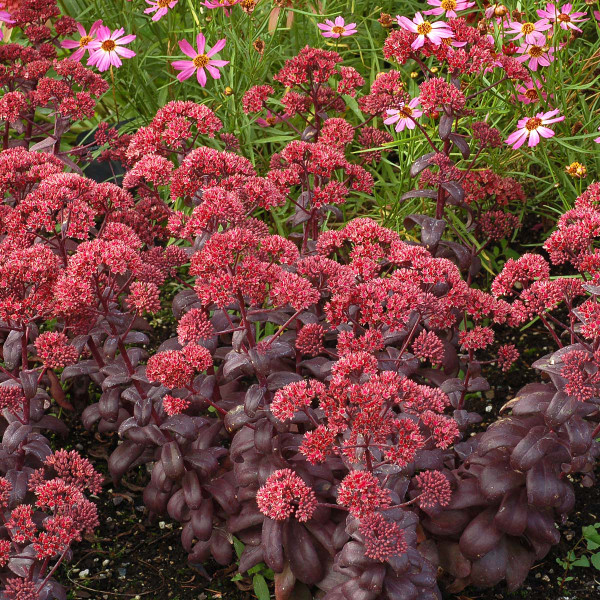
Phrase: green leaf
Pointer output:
(261, 589)
(595, 558)
(582, 561)
(238, 546)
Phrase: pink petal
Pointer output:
(78, 54)
(217, 47)
(117, 33)
(183, 65)
(200, 43)
(545, 132)
(534, 138)
(69, 44)
(201, 76)
(187, 49)
(214, 72)
(125, 40)
(218, 62)
(418, 42)
(96, 26)
(124, 52)
(185, 74)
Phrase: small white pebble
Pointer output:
(488, 408)
(83, 574)
(105, 562)
(162, 525)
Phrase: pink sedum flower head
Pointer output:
(108, 48)
(404, 116)
(447, 7)
(531, 92)
(532, 128)
(337, 28)
(563, 16)
(434, 32)
(539, 54)
(83, 43)
(160, 8)
(201, 60)
(530, 31)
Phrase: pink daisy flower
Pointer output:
(159, 7)
(337, 28)
(434, 32)
(563, 16)
(532, 128)
(220, 3)
(271, 119)
(539, 54)
(108, 48)
(530, 30)
(200, 60)
(404, 116)
(83, 43)
(447, 7)
(531, 92)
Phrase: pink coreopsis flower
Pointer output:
(201, 60)
(447, 7)
(83, 43)
(531, 92)
(562, 15)
(159, 7)
(533, 128)
(108, 48)
(434, 32)
(337, 28)
(538, 54)
(221, 4)
(404, 116)
(271, 119)
(530, 30)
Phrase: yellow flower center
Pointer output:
(576, 169)
(201, 61)
(533, 123)
(108, 46)
(407, 111)
(532, 94)
(85, 40)
(564, 18)
(448, 4)
(271, 120)
(338, 29)
(424, 28)
(535, 51)
(164, 3)
(527, 28)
